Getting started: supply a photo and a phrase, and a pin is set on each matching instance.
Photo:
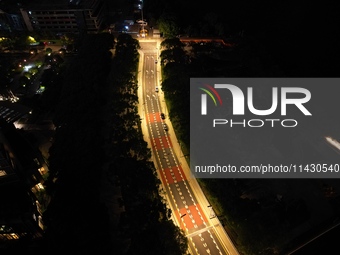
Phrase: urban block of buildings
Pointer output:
(22, 171)
(54, 17)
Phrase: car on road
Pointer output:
(165, 127)
(162, 116)
(156, 89)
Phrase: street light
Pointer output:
(142, 17)
(165, 111)
(180, 149)
(212, 214)
(180, 225)
(157, 49)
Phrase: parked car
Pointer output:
(162, 116)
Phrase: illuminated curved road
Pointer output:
(184, 196)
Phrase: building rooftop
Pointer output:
(57, 4)
(11, 112)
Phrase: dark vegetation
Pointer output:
(105, 195)
(261, 216)
(300, 39)
(255, 228)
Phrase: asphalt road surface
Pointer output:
(205, 233)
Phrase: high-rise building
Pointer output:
(64, 16)
(10, 22)
(10, 19)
